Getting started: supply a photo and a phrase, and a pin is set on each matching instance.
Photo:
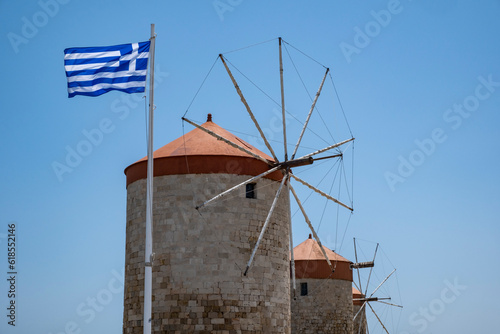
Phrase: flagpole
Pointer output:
(149, 255)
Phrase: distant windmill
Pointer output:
(363, 299)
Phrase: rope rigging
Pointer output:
(269, 97)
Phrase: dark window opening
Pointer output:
(250, 190)
(303, 289)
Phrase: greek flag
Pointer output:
(93, 71)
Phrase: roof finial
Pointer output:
(209, 117)
(310, 236)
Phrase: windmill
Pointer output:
(287, 165)
(365, 300)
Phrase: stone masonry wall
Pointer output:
(326, 309)
(359, 325)
(198, 282)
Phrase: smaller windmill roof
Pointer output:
(310, 250)
(356, 293)
(311, 263)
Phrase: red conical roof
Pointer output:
(198, 152)
(310, 250)
(355, 295)
(198, 142)
(311, 263)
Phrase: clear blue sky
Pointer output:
(420, 88)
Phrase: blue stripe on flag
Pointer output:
(105, 90)
(106, 80)
(93, 71)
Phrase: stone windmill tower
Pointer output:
(200, 255)
(324, 302)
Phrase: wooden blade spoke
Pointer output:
(320, 192)
(329, 157)
(265, 225)
(357, 269)
(355, 285)
(310, 113)
(327, 148)
(371, 269)
(378, 287)
(391, 304)
(378, 318)
(311, 227)
(359, 311)
(244, 101)
(360, 324)
(255, 178)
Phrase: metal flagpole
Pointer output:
(149, 255)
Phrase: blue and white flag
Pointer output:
(93, 71)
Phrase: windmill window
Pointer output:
(250, 190)
(303, 289)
